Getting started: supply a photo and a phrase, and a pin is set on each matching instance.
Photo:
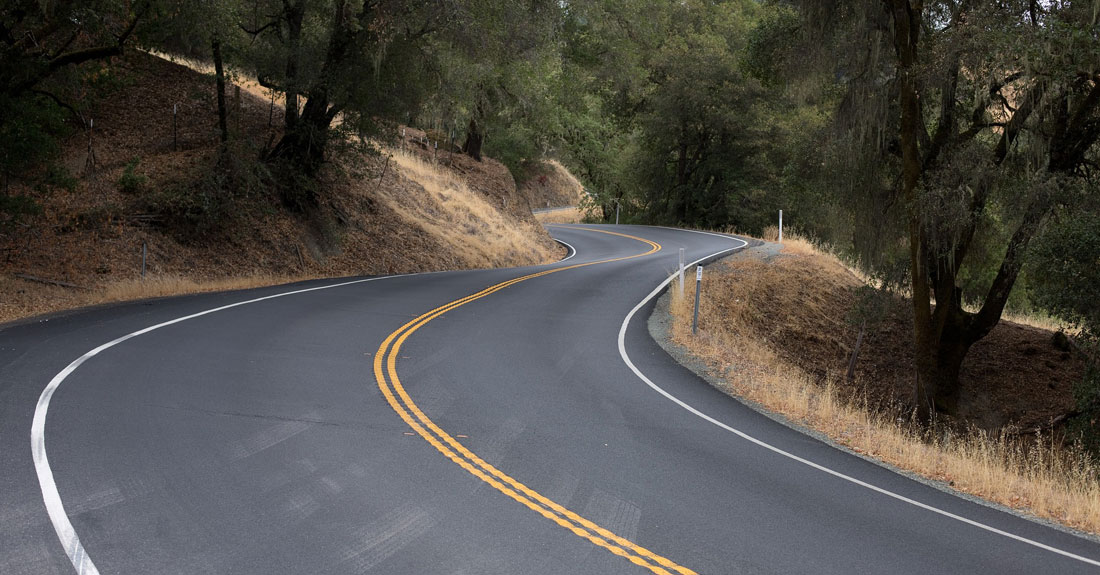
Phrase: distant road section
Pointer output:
(497, 421)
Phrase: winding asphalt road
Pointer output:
(503, 421)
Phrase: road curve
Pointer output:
(501, 421)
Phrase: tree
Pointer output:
(1069, 285)
(697, 126)
(980, 106)
(498, 62)
(41, 45)
(664, 82)
(336, 55)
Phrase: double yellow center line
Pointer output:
(385, 373)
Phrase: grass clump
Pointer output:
(131, 182)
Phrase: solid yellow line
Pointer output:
(495, 477)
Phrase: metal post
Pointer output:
(384, 168)
(144, 251)
(89, 164)
(616, 212)
(698, 288)
(780, 225)
(681, 272)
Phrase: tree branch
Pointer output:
(260, 30)
(79, 56)
(1031, 101)
(986, 319)
(1082, 131)
(977, 117)
(62, 104)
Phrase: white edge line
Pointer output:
(572, 250)
(66, 533)
(743, 435)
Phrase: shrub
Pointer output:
(131, 182)
(14, 208)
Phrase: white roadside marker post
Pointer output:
(698, 287)
(780, 225)
(681, 272)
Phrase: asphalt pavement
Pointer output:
(473, 422)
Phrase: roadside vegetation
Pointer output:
(569, 215)
(213, 218)
(779, 330)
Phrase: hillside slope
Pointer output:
(805, 309)
(778, 325)
(216, 224)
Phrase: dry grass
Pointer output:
(1039, 320)
(1036, 476)
(472, 229)
(126, 290)
(552, 186)
(246, 82)
(572, 215)
(44, 298)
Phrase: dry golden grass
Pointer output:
(40, 299)
(1037, 476)
(1039, 320)
(126, 290)
(237, 78)
(474, 231)
(567, 216)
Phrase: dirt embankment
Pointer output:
(156, 181)
(777, 329)
(809, 308)
(552, 186)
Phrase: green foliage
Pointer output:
(1085, 425)
(235, 182)
(1066, 262)
(58, 177)
(131, 182)
(1066, 266)
(768, 57)
(15, 209)
(29, 128)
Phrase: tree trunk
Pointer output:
(295, 13)
(306, 137)
(304, 145)
(906, 38)
(474, 140)
(219, 75)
